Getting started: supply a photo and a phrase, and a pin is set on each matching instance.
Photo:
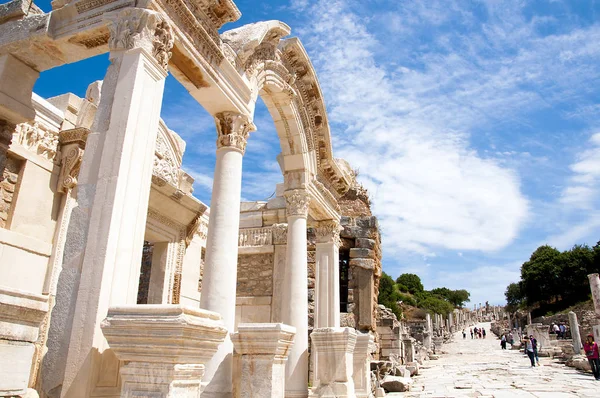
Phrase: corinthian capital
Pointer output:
(328, 231)
(233, 130)
(297, 202)
(140, 28)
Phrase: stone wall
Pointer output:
(255, 275)
(8, 187)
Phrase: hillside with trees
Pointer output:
(408, 291)
(552, 280)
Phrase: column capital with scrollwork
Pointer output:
(328, 232)
(233, 130)
(297, 202)
(141, 28)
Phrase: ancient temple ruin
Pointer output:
(115, 281)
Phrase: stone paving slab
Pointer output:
(479, 368)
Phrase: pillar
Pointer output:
(102, 259)
(333, 349)
(167, 359)
(362, 365)
(428, 332)
(220, 268)
(327, 300)
(576, 336)
(263, 348)
(595, 288)
(295, 298)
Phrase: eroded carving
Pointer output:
(279, 233)
(233, 130)
(73, 144)
(37, 139)
(328, 231)
(297, 202)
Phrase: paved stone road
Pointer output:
(479, 368)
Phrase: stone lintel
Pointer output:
(358, 252)
(365, 263)
(365, 243)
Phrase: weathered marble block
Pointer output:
(21, 314)
(165, 347)
(362, 364)
(334, 348)
(263, 348)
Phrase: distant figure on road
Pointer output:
(556, 330)
(529, 350)
(464, 334)
(534, 343)
(483, 332)
(511, 339)
(471, 329)
(503, 342)
(563, 331)
(591, 352)
(476, 332)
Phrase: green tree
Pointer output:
(457, 298)
(540, 276)
(389, 295)
(514, 296)
(411, 281)
(574, 267)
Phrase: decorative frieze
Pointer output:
(6, 134)
(255, 237)
(297, 202)
(141, 28)
(233, 130)
(37, 139)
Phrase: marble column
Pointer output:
(220, 268)
(102, 259)
(575, 335)
(428, 332)
(595, 288)
(327, 300)
(295, 299)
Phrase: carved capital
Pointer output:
(279, 232)
(140, 28)
(297, 202)
(328, 231)
(72, 148)
(233, 130)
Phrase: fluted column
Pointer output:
(295, 299)
(327, 300)
(220, 268)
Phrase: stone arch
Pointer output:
(280, 72)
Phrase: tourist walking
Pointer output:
(464, 334)
(534, 343)
(556, 330)
(511, 339)
(483, 332)
(563, 331)
(591, 352)
(471, 329)
(503, 342)
(529, 350)
(476, 332)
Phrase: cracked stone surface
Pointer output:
(479, 368)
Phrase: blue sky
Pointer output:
(475, 125)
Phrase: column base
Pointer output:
(164, 380)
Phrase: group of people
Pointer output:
(560, 330)
(476, 333)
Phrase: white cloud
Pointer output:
(583, 189)
(405, 134)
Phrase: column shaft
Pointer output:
(220, 269)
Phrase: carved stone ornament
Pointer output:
(297, 202)
(233, 130)
(279, 232)
(72, 144)
(37, 139)
(140, 28)
(328, 231)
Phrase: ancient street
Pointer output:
(479, 368)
